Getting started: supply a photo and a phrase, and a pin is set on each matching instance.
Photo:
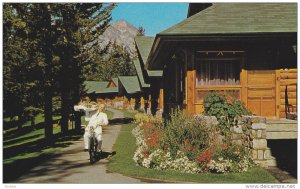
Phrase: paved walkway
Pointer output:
(72, 164)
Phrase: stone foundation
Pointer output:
(251, 132)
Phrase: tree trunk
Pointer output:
(20, 121)
(48, 90)
(48, 114)
(76, 97)
(64, 111)
(32, 119)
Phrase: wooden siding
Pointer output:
(111, 84)
(287, 93)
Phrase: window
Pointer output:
(213, 72)
(232, 93)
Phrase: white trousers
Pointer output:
(86, 136)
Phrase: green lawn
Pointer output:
(123, 163)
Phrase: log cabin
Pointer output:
(150, 80)
(102, 89)
(244, 50)
(130, 89)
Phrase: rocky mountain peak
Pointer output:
(122, 33)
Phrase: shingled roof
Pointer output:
(239, 18)
(139, 71)
(144, 44)
(226, 20)
(130, 83)
(99, 87)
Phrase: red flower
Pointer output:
(225, 147)
(205, 157)
(151, 134)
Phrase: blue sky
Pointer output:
(154, 17)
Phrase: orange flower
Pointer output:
(237, 152)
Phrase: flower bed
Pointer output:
(186, 144)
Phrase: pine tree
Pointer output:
(44, 50)
(81, 24)
(21, 62)
(141, 31)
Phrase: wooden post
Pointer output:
(191, 77)
(244, 84)
(191, 91)
(277, 93)
(161, 98)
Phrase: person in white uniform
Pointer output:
(98, 120)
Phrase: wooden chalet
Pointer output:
(130, 89)
(150, 80)
(243, 50)
(102, 89)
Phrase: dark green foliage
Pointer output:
(116, 62)
(44, 52)
(21, 63)
(226, 112)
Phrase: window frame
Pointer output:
(240, 61)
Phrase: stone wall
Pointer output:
(251, 132)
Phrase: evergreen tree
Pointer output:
(80, 25)
(141, 31)
(45, 50)
(115, 62)
(21, 62)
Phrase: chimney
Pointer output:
(194, 8)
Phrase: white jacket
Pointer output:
(99, 118)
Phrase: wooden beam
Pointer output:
(244, 92)
(191, 91)
(191, 73)
(277, 83)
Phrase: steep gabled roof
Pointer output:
(144, 44)
(130, 83)
(139, 71)
(239, 18)
(113, 81)
(94, 86)
(99, 87)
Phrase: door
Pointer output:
(174, 86)
(261, 90)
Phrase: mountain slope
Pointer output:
(122, 33)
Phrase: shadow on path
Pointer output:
(18, 167)
(117, 121)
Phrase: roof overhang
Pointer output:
(163, 44)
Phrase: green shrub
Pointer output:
(227, 113)
(188, 134)
(190, 144)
